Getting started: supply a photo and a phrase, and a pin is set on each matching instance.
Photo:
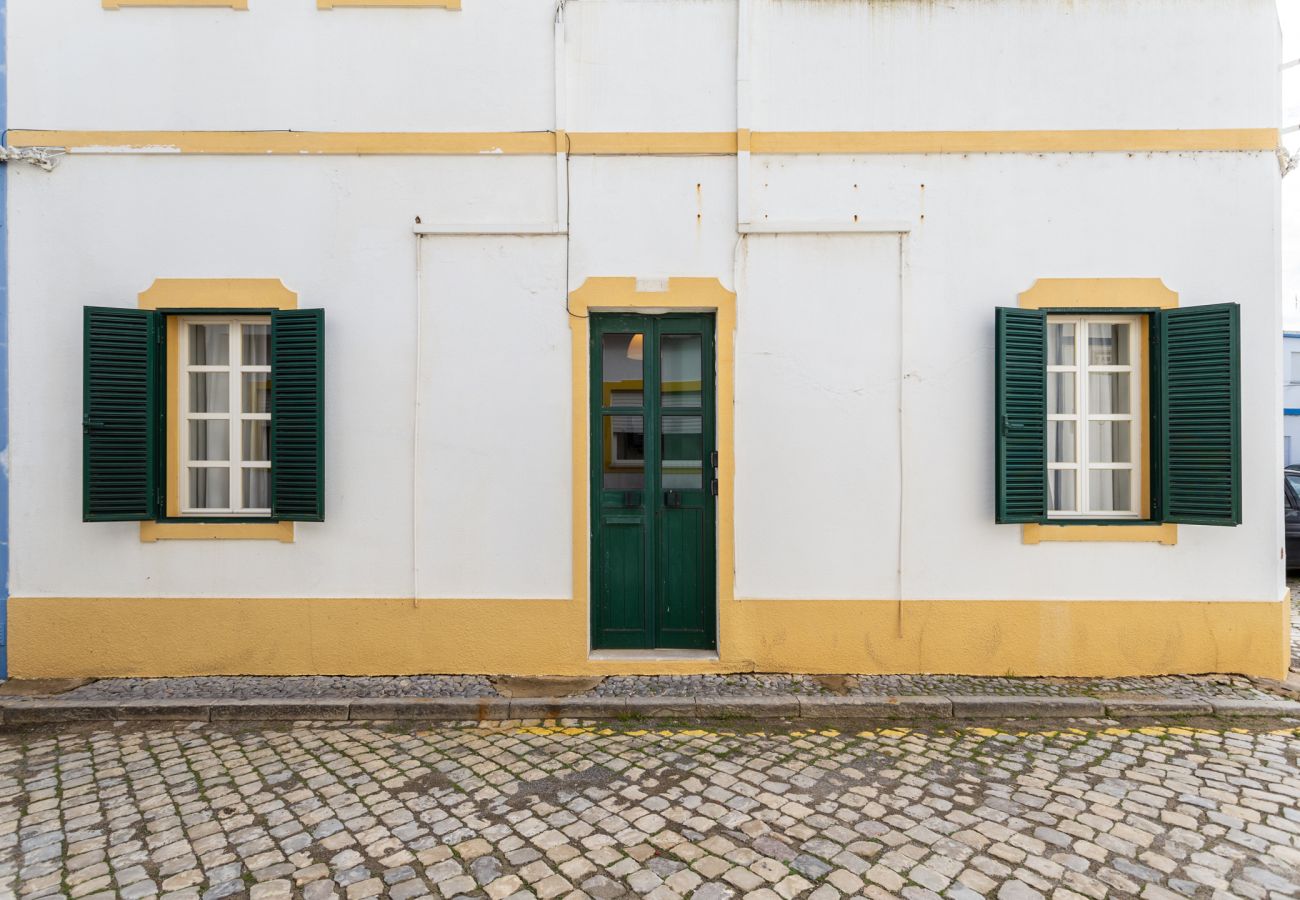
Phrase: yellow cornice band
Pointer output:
(223, 4)
(404, 4)
(912, 142)
(714, 143)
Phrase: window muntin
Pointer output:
(226, 416)
(1093, 426)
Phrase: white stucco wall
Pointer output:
(469, 495)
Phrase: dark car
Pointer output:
(1291, 491)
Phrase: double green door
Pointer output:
(653, 482)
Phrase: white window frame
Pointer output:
(236, 416)
(1082, 416)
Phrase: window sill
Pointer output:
(216, 531)
(1112, 533)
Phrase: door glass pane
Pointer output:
(210, 488)
(257, 440)
(209, 392)
(679, 370)
(210, 440)
(257, 345)
(1060, 393)
(1108, 344)
(1060, 344)
(683, 453)
(1109, 490)
(1108, 392)
(1061, 490)
(257, 488)
(622, 361)
(257, 392)
(1061, 442)
(1110, 442)
(209, 345)
(624, 462)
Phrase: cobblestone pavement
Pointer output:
(1091, 809)
(252, 688)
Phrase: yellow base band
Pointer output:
(94, 637)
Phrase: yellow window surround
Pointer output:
(206, 293)
(224, 4)
(1105, 293)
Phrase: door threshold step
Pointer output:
(653, 655)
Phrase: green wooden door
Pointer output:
(653, 482)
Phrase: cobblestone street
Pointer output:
(1088, 809)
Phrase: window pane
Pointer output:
(624, 463)
(1110, 442)
(621, 360)
(1109, 490)
(210, 488)
(1060, 392)
(1060, 344)
(257, 488)
(210, 440)
(1061, 442)
(257, 345)
(209, 345)
(1061, 491)
(257, 440)
(683, 452)
(1108, 392)
(679, 373)
(1108, 344)
(209, 392)
(257, 392)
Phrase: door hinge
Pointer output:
(713, 459)
(713, 487)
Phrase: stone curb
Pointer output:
(483, 709)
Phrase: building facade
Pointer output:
(1291, 397)
(643, 336)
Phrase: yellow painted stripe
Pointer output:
(225, 4)
(649, 143)
(720, 143)
(905, 142)
(271, 143)
(406, 4)
(95, 637)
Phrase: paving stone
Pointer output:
(554, 810)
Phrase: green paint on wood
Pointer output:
(1200, 405)
(1021, 423)
(120, 421)
(298, 415)
(654, 518)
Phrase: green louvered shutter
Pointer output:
(1021, 415)
(120, 410)
(298, 415)
(1200, 409)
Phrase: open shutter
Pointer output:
(298, 415)
(1021, 415)
(120, 408)
(1200, 414)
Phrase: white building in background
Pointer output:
(628, 336)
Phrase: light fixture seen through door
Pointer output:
(635, 347)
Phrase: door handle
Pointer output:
(672, 499)
(88, 425)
